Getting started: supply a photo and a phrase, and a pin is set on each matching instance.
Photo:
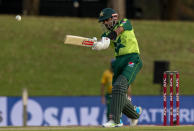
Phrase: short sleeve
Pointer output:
(126, 24)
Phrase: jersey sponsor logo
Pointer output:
(130, 64)
(123, 22)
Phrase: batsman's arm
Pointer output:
(119, 30)
(113, 34)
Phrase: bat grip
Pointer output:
(87, 43)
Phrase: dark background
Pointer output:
(136, 9)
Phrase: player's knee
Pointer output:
(120, 86)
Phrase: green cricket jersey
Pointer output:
(126, 42)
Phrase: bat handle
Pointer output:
(87, 43)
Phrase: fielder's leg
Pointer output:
(108, 102)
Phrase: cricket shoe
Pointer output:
(111, 123)
(121, 123)
(135, 121)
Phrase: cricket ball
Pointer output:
(18, 17)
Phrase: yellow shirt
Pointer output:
(107, 81)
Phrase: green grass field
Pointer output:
(137, 128)
(33, 56)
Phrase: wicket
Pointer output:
(171, 74)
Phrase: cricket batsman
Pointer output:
(120, 35)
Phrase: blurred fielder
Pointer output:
(120, 35)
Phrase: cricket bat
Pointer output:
(78, 40)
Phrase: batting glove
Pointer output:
(100, 45)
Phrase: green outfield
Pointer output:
(33, 56)
(137, 128)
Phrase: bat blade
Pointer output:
(78, 40)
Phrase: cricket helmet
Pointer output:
(106, 13)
